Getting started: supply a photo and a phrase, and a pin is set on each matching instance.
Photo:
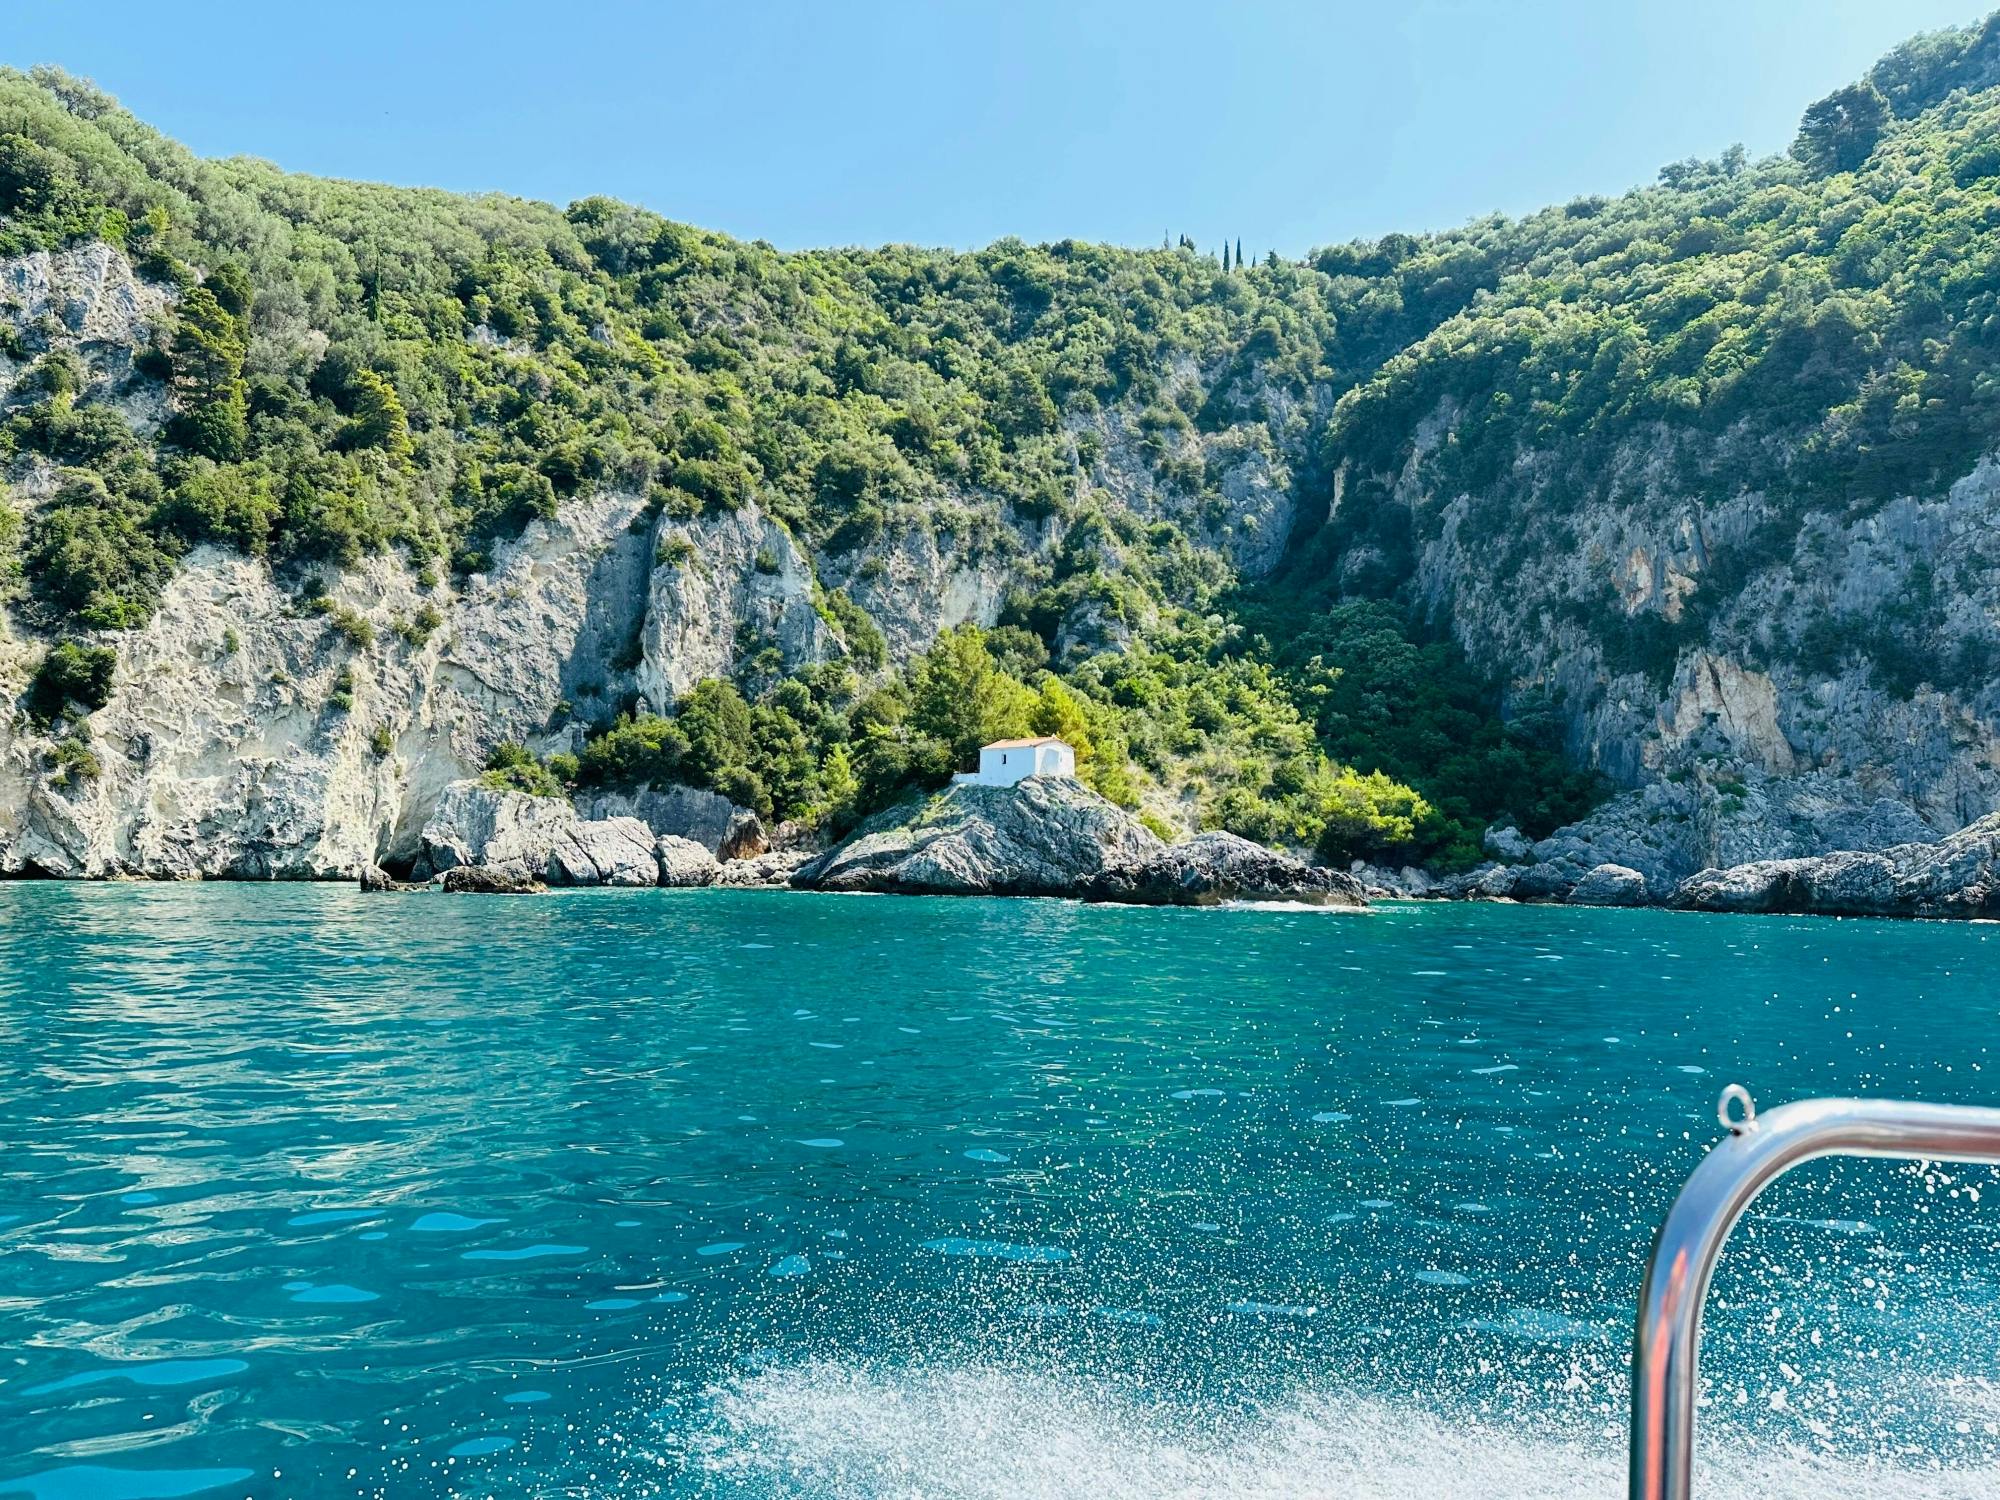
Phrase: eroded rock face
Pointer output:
(683, 863)
(496, 830)
(722, 583)
(535, 838)
(1736, 739)
(1670, 829)
(616, 851)
(679, 812)
(242, 739)
(87, 299)
(772, 870)
(1046, 836)
(1955, 877)
(1215, 867)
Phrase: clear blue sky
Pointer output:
(1287, 123)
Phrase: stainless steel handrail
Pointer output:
(1760, 1148)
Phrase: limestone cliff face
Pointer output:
(88, 300)
(1766, 678)
(1769, 679)
(723, 590)
(252, 734)
(252, 737)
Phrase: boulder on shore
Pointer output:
(613, 851)
(1958, 876)
(1609, 885)
(683, 863)
(1540, 883)
(1487, 882)
(1212, 868)
(480, 880)
(376, 879)
(475, 824)
(670, 810)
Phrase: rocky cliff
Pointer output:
(270, 725)
(255, 734)
(1743, 738)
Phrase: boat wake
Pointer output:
(832, 1431)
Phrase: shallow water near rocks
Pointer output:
(756, 1194)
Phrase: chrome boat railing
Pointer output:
(1760, 1148)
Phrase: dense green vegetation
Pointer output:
(356, 367)
(1821, 327)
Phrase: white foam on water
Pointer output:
(836, 1431)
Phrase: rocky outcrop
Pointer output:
(1051, 836)
(1609, 885)
(680, 812)
(86, 300)
(1212, 868)
(1670, 829)
(684, 864)
(921, 579)
(616, 851)
(476, 880)
(1046, 836)
(1763, 677)
(1955, 877)
(377, 881)
(723, 586)
(535, 838)
(496, 830)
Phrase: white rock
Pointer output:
(616, 851)
(683, 862)
(504, 830)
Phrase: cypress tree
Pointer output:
(1225, 257)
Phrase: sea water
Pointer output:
(305, 1192)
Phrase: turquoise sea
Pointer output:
(758, 1194)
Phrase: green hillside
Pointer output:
(356, 367)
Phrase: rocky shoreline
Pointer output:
(1042, 837)
(1055, 837)
(1957, 876)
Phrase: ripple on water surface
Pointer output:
(458, 1197)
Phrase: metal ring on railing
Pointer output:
(1735, 1093)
